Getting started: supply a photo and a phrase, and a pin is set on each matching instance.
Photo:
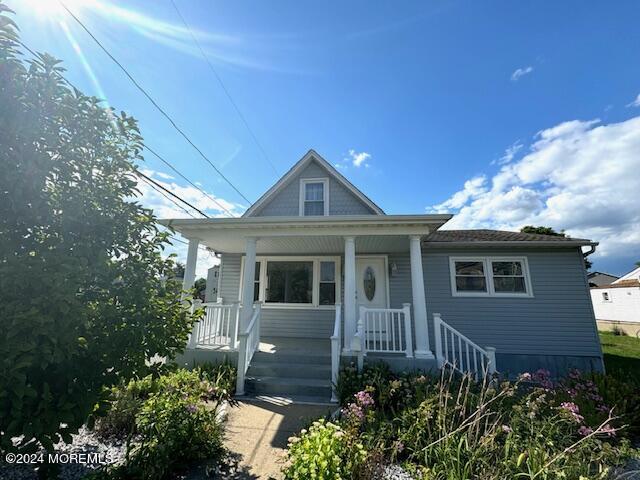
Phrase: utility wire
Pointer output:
(150, 98)
(168, 164)
(224, 88)
(168, 198)
(164, 160)
(162, 187)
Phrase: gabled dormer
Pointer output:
(313, 187)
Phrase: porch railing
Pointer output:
(335, 351)
(455, 350)
(249, 341)
(219, 326)
(386, 330)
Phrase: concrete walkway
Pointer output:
(257, 432)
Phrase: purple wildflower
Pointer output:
(584, 430)
(191, 408)
(364, 399)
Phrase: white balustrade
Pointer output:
(219, 326)
(335, 351)
(249, 342)
(455, 350)
(386, 330)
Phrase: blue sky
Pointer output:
(507, 113)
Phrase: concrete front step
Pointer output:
(292, 386)
(291, 358)
(289, 370)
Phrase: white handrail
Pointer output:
(335, 351)
(219, 326)
(386, 330)
(455, 350)
(248, 345)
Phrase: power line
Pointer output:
(224, 88)
(153, 102)
(162, 187)
(169, 198)
(167, 163)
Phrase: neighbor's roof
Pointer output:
(620, 284)
(501, 237)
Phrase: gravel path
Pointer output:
(86, 446)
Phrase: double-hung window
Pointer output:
(314, 195)
(297, 281)
(490, 276)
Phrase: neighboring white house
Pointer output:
(618, 302)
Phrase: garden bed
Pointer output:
(424, 427)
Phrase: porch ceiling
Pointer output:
(303, 235)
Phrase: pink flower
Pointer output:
(364, 399)
(573, 410)
(584, 430)
(525, 377)
(609, 430)
(398, 446)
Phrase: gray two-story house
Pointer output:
(315, 274)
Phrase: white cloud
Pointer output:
(580, 176)
(165, 208)
(521, 72)
(635, 103)
(358, 159)
(509, 153)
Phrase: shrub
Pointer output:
(222, 375)
(324, 452)
(81, 265)
(176, 425)
(618, 331)
(125, 402)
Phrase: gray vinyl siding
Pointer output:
(278, 322)
(287, 201)
(557, 320)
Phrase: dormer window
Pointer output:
(314, 197)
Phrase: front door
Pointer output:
(371, 282)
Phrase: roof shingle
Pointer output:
(480, 236)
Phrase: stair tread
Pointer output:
(314, 366)
(306, 382)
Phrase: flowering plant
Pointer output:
(325, 452)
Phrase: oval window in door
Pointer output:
(369, 283)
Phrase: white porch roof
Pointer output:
(286, 235)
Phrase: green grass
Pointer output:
(621, 354)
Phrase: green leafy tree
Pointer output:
(542, 231)
(550, 231)
(200, 286)
(83, 303)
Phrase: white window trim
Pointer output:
(486, 261)
(325, 193)
(315, 293)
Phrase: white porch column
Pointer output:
(419, 302)
(248, 277)
(188, 281)
(349, 291)
(190, 268)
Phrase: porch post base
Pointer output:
(424, 354)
